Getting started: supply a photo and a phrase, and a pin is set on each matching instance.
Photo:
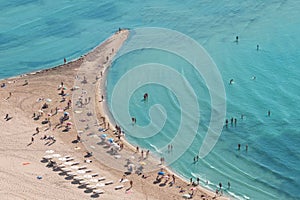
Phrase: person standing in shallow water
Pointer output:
(269, 113)
(239, 146)
(237, 39)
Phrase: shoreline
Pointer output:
(61, 70)
(104, 110)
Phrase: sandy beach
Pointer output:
(43, 113)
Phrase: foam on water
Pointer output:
(39, 34)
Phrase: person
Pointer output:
(191, 180)
(231, 81)
(228, 185)
(269, 113)
(237, 39)
(65, 60)
(231, 121)
(197, 158)
(142, 153)
(239, 146)
(173, 179)
(147, 153)
(246, 147)
(137, 149)
(145, 96)
(257, 47)
(133, 120)
(198, 180)
(6, 116)
(131, 183)
(37, 130)
(226, 123)
(242, 116)
(32, 139)
(235, 120)
(220, 185)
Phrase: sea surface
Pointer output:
(38, 34)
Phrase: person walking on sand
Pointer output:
(37, 130)
(32, 139)
(131, 183)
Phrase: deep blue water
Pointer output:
(39, 34)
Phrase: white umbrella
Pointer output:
(68, 163)
(87, 176)
(47, 157)
(80, 171)
(49, 151)
(62, 159)
(56, 155)
(74, 167)
(100, 185)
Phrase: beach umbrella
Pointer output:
(111, 140)
(62, 159)
(80, 171)
(186, 196)
(74, 167)
(66, 113)
(47, 157)
(161, 173)
(49, 151)
(93, 180)
(69, 123)
(103, 136)
(68, 163)
(142, 163)
(87, 176)
(56, 155)
(48, 100)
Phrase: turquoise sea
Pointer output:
(38, 34)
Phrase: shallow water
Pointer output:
(39, 34)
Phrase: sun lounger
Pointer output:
(66, 170)
(94, 175)
(100, 184)
(91, 187)
(83, 182)
(101, 178)
(119, 187)
(82, 167)
(79, 178)
(75, 163)
(98, 191)
(71, 174)
(108, 182)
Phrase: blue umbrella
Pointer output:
(111, 140)
(103, 136)
(161, 173)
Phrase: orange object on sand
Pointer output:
(25, 163)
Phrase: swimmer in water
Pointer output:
(231, 82)
(253, 77)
